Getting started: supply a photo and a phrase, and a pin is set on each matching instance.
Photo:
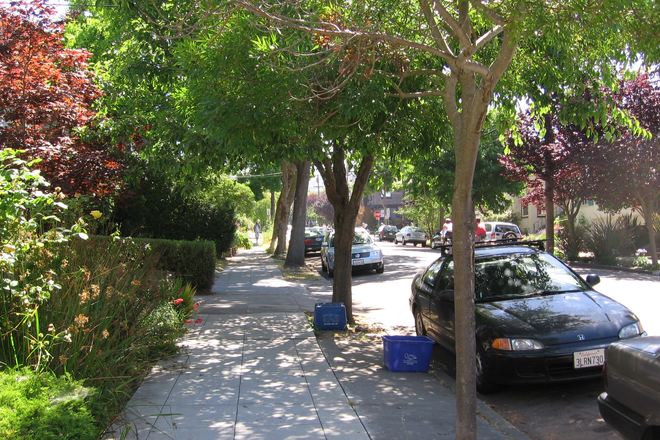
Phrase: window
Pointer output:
(540, 212)
(431, 275)
(446, 278)
(524, 211)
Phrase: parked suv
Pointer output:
(386, 232)
(501, 231)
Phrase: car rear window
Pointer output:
(507, 228)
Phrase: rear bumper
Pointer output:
(626, 422)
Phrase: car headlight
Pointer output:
(517, 344)
(630, 331)
(376, 253)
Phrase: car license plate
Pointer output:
(358, 262)
(319, 239)
(591, 358)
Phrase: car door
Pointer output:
(424, 291)
(441, 306)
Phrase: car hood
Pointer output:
(556, 319)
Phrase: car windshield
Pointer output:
(312, 232)
(362, 237)
(520, 275)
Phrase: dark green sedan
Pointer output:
(536, 319)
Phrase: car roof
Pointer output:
(528, 247)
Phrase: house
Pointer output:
(388, 203)
(533, 219)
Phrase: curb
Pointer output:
(604, 267)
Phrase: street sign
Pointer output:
(377, 215)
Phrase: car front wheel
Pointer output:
(380, 269)
(419, 324)
(484, 382)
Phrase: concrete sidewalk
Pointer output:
(253, 369)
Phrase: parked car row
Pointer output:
(537, 321)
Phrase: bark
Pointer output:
(272, 205)
(347, 204)
(278, 242)
(648, 210)
(550, 215)
(549, 187)
(572, 209)
(295, 257)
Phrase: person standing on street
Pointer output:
(480, 235)
(447, 231)
(257, 232)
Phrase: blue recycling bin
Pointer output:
(330, 316)
(407, 353)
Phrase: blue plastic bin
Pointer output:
(330, 316)
(408, 353)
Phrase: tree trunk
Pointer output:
(550, 215)
(278, 243)
(295, 257)
(464, 226)
(572, 209)
(347, 204)
(271, 214)
(648, 208)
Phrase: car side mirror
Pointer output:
(593, 279)
(447, 295)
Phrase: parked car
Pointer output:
(536, 319)
(366, 254)
(411, 234)
(631, 402)
(501, 231)
(386, 232)
(314, 238)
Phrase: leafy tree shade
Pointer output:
(45, 95)
(458, 51)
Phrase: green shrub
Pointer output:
(608, 239)
(194, 261)
(100, 311)
(155, 209)
(241, 240)
(43, 406)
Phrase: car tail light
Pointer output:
(408, 234)
(309, 241)
(492, 236)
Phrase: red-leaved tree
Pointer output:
(45, 95)
(627, 170)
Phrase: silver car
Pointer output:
(411, 234)
(365, 253)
